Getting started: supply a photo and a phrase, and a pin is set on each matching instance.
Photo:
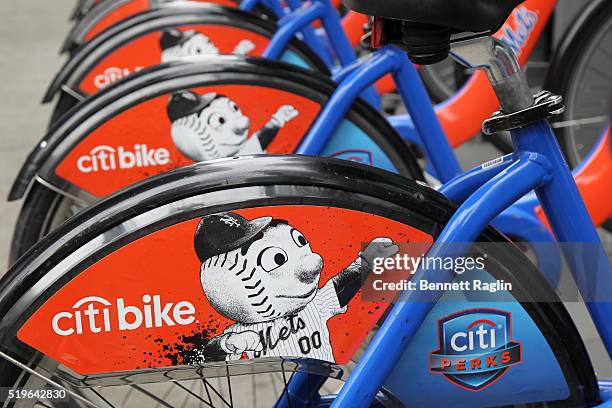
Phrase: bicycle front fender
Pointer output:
(79, 67)
(123, 134)
(60, 138)
(72, 130)
(93, 22)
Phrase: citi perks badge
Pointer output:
(475, 348)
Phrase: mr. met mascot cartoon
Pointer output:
(176, 45)
(212, 126)
(263, 274)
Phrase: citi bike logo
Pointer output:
(106, 158)
(524, 23)
(475, 348)
(94, 314)
(112, 74)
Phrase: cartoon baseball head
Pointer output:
(255, 270)
(206, 127)
(176, 45)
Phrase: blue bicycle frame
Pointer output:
(307, 32)
(356, 79)
(297, 23)
(488, 194)
(324, 11)
(421, 127)
(537, 164)
(484, 193)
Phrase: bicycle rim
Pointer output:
(588, 96)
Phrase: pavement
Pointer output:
(31, 33)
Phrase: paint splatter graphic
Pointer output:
(188, 349)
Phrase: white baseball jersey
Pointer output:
(304, 334)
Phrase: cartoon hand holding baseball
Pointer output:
(378, 248)
(238, 343)
(243, 47)
(284, 114)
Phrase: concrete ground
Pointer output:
(31, 33)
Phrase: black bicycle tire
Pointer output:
(563, 63)
(32, 219)
(560, 76)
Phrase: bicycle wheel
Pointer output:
(132, 119)
(580, 74)
(165, 35)
(107, 14)
(301, 220)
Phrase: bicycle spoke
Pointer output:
(42, 377)
(165, 397)
(127, 395)
(606, 53)
(207, 392)
(286, 389)
(600, 72)
(189, 392)
(581, 122)
(229, 386)
(253, 385)
(274, 380)
(195, 395)
(216, 392)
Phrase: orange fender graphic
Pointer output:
(152, 303)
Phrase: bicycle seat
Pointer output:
(460, 15)
(423, 28)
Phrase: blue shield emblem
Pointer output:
(357, 155)
(475, 348)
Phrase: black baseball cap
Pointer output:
(185, 103)
(223, 232)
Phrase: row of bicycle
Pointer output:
(206, 111)
(120, 278)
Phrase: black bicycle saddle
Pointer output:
(460, 15)
(423, 27)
